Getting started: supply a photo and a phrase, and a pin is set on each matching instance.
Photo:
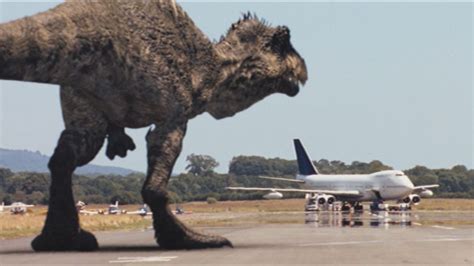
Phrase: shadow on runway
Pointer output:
(119, 248)
(104, 248)
(16, 252)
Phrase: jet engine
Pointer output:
(412, 199)
(321, 199)
(330, 199)
(273, 195)
(426, 193)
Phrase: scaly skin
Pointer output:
(134, 64)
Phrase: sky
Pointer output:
(387, 81)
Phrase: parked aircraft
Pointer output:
(179, 210)
(16, 207)
(81, 209)
(350, 189)
(112, 210)
(143, 211)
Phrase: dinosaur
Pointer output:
(134, 64)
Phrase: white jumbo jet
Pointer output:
(375, 187)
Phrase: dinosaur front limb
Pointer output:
(118, 143)
(164, 147)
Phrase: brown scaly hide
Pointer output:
(135, 64)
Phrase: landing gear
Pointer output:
(359, 208)
(345, 207)
(375, 206)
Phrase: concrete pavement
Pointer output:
(314, 242)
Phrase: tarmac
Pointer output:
(323, 238)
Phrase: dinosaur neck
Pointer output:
(227, 98)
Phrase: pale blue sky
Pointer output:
(387, 81)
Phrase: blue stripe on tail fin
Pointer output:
(305, 165)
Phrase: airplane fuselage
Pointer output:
(391, 184)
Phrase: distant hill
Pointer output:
(24, 160)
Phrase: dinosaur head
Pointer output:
(256, 60)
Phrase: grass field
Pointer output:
(203, 214)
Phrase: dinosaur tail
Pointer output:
(27, 52)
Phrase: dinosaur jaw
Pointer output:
(296, 77)
(290, 86)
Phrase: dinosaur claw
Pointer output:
(118, 145)
(109, 153)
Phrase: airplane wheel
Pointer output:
(345, 208)
(374, 207)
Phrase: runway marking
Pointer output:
(142, 259)
(445, 240)
(340, 243)
(443, 227)
(379, 241)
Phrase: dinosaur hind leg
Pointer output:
(118, 143)
(78, 144)
(164, 147)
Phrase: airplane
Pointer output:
(142, 211)
(16, 207)
(179, 210)
(351, 190)
(112, 210)
(81, 209)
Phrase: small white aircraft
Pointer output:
(353, 189)
(81, 209)
(142, 211)
(16, 207)
(112, 210)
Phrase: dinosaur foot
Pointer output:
(171, 233)
(118, 143)
(192, 240)
(83, 241)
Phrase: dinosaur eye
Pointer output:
(280, 41)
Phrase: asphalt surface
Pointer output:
(318, 239)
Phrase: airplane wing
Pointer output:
(421, 188)
(139, 213)
(282, 179)
(317, 191)
(17, 206)
(86, 212)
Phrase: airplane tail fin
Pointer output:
(305, 165)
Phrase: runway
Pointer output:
(318, 241)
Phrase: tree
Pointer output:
(201, 164)
(257, 165)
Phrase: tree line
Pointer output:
(202, 182)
